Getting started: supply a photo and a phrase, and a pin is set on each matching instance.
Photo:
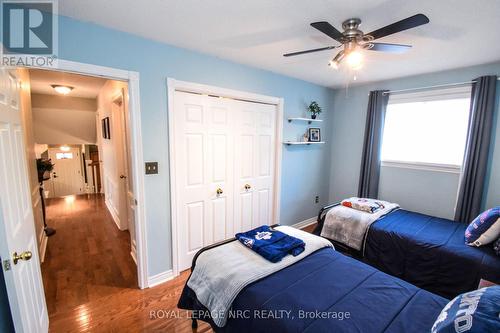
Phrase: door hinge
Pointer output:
(6, 265)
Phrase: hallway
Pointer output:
(88, 258)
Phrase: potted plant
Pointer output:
(44, 167)
(314, 109)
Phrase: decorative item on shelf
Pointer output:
(314, 135)
(305, 137)
(44, 167)
(314, 109)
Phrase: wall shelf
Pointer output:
(296, 143)
(309, 120)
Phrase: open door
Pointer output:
(18, 247)
(127, 198)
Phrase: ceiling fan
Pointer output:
(352, 39)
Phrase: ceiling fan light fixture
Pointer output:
(355, 60)
(334, 63)
(353, 40)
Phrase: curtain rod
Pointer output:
(432, 87)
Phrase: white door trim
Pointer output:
(174, 85)
(136, 148)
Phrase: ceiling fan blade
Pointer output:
(309, 51)
(407, 23)
(384, 47)
(328, 30)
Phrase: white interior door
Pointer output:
(254, 164)
(17, 233)
(66, 178)
(204, 172)
(127, 198)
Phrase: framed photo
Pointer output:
(103, 128)
(108, 130)
(106, 133)
(314, 135)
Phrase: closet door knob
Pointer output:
(247, 187)
(219, 191)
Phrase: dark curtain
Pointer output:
(370, 161)
(474, 166)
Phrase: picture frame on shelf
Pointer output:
(314, 134)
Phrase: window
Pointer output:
(64, 156)
(427, 128)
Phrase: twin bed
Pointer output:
(324, 292)
(426, 251)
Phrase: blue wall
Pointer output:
(424, 191)
(305, 171)
(6, 324)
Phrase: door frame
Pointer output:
(174, 85)
(136, 151)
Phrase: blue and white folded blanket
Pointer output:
(349, 226)
(364, 204)
(222, 272)
(271, 244)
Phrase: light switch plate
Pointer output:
(151, 168)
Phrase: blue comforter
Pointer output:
(429, 252)
(329, 292)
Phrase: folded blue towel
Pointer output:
(271, 244)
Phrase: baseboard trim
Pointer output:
(43, 246)
(305, 223)
(160, 278)
(114, 214)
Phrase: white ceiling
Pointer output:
(257, 32)
(84, 86)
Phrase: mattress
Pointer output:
(429, 252)
(329, 292)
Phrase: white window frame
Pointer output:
(425, 96)
(451, 168)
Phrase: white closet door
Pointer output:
(255, 127)
(204, 165)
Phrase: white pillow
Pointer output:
(489, 235)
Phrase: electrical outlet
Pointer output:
(151, 168)
(316, 200)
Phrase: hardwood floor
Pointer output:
(88, 258)
(148, 310)
(310, 228)
(90, 279)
